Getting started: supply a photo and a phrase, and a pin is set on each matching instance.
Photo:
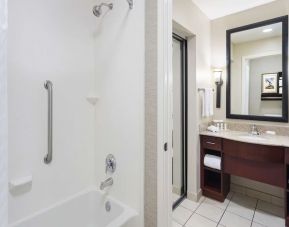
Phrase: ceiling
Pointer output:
(220, 8)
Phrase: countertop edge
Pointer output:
(271, 140)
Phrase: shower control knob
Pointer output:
(110, 163)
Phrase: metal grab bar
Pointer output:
(48, 85)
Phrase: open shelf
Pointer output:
(211, 169)
(212, 180)
(215, 183)
(212, 152)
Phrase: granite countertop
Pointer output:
(263, 139)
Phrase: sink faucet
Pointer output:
(106, 183)
(254, 130)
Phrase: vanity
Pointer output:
(256, 90)
(261, 158)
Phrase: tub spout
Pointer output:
(106, 183)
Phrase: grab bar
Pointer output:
(48, 85)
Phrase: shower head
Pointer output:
(97, 11)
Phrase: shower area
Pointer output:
(75, 86)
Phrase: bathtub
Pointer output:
(86, 209)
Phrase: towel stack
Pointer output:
(207, 102)
(212, 161)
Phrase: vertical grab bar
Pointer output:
(48, 85)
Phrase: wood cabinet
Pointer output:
(214, 183)
(267, 164)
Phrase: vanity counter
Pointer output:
(263, 158)
(263, 139)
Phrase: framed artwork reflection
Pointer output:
(271, 86)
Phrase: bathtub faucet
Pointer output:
(106, 183)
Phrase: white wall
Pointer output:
(3, 116)
(218, 47)
(190, 21)
(120, 60)
(50, 40)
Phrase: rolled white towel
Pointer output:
(213, 128)
(212, 161)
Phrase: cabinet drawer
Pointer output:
(253, 152)
(211, 142)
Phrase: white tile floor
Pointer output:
(236, 211)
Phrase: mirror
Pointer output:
(257, 60)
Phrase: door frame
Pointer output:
(184, 97)
(164, 119)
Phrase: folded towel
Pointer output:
(213, 128)
(212, 161)
(207, 102)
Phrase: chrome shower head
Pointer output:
(97, 11)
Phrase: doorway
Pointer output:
(179, 133)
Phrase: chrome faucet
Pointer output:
(254, 130)
(108, 182)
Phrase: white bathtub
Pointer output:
(86, 209)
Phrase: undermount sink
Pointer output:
(253, 137)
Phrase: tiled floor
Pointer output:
(236, 211)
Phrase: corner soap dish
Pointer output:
(20, 182)
(92, 99)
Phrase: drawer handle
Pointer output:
(212, 143)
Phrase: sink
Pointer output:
(256, 138)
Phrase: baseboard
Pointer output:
(279, 201)
(194, 196)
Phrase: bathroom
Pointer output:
(105, 107)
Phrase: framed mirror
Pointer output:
(257, 66)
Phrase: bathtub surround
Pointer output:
(60, 49)
(84, 56)
(3, 116)
(119, 61)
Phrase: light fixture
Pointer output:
(266, 30)
(217, 73)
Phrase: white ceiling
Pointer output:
(220, 8)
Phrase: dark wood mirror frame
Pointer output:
(284, 118)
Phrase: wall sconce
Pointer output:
(218, 81)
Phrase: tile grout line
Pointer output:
(247, 207)
(225, 210)
(194, 212)
(254, 212)
(180, 205)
